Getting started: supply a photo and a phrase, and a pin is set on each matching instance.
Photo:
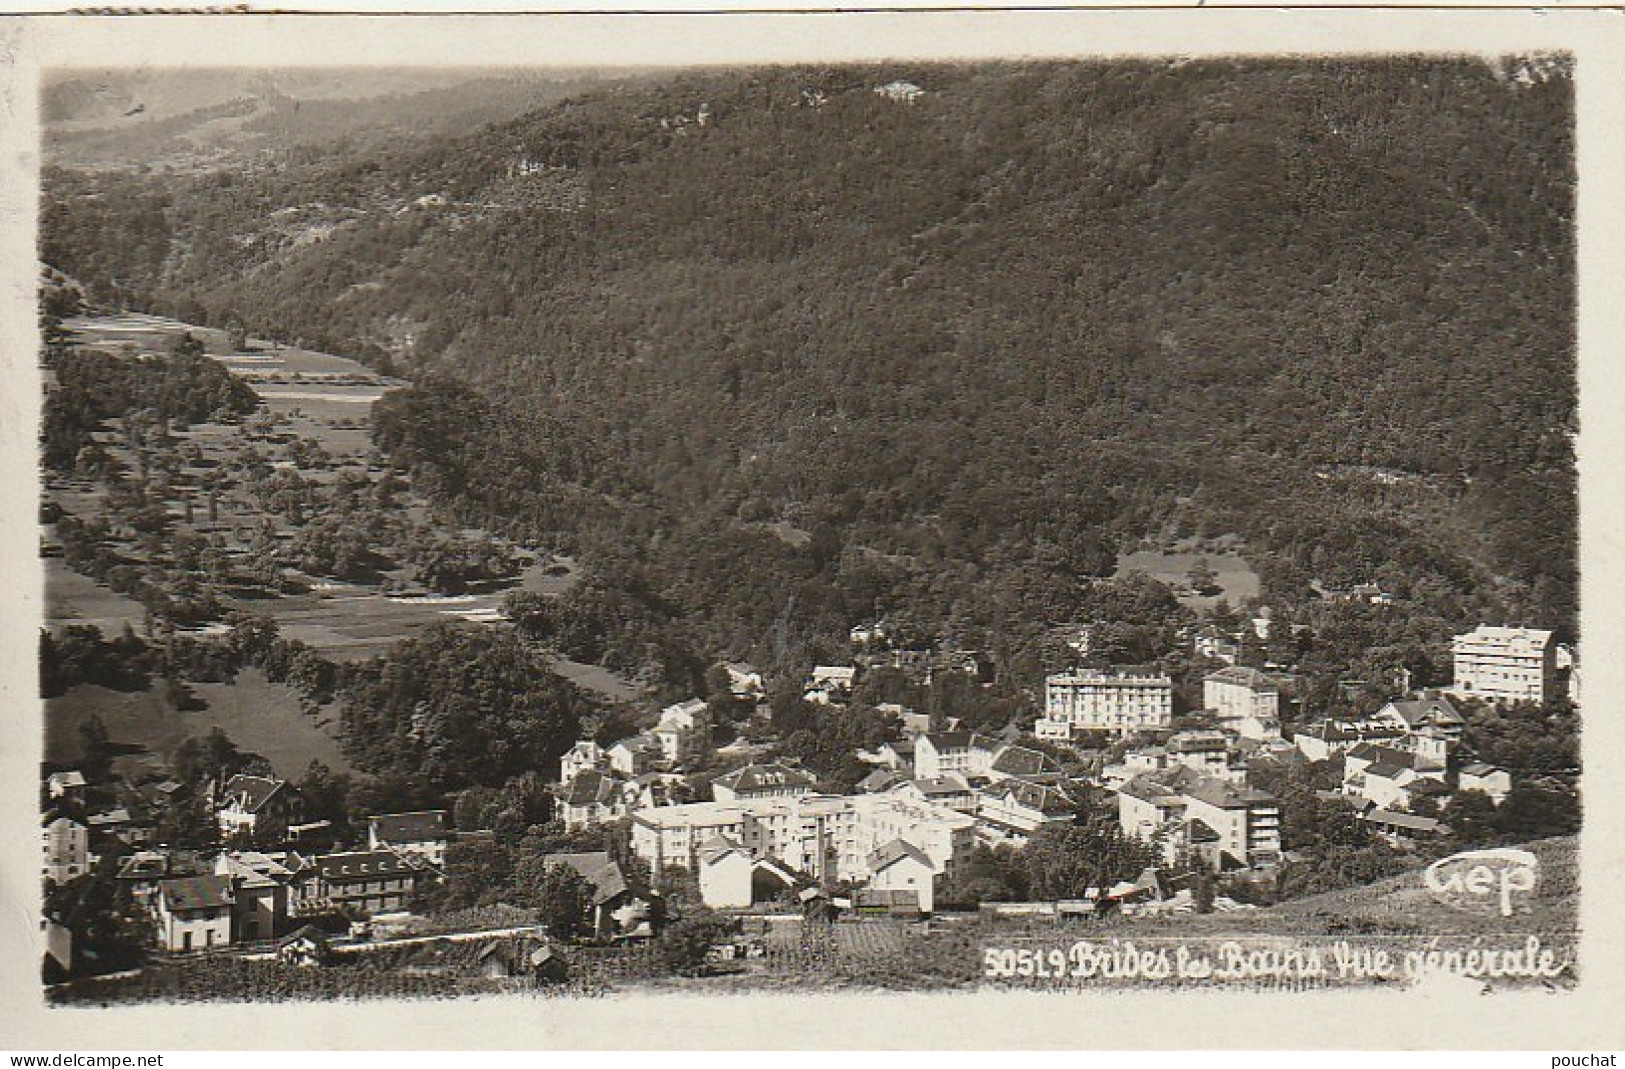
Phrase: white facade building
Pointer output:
(1505, 664)
(820, 835)
(1245, 700)
(1118, 702)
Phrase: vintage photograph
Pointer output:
(922, 525)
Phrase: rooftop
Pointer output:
(427, 826)
(250, 793)
(364, 864)
(196, 892)
(1244, 677)
(896, 851)
(597, 868)
(757, 777)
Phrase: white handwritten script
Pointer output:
(1268, 961)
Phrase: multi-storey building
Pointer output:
(939, 753)
(684, 731)
(771, 780)
(1505, 664)
(824, 836)
(366, 882)
(67, 850)
(1119, 702)
(1244, 700)
(1225, 824)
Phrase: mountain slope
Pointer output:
(1048, 305)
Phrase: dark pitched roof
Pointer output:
(1024, 761)
(1408, 821)
(590, 787)
(597, 868)
(1224, 795)
(895, 851)
(1246, 677)
(197, 892)
(1051, 801)
(720, 846)
(143, 865)
(941, 785)
(309, 931)
(250, 793)
(755, 777)
(881, 779)
(1416, 711)
(365, 865)
(427, 826)
(955, 740)
(1376, 752)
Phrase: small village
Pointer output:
(810, 529)
(765, 854)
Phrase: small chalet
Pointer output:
(308, 946)
(257, 808)
(194, 913)
(617, 910)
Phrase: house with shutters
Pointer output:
(1011, 810)
(591, 799)
(634, 756)
(194, 913)
(267, 889)
(1430, 726)
(683, 732)
(938, 753)
(583, 755)
(950, 790)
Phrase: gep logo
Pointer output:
(1482, 880)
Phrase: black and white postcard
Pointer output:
(996, 528)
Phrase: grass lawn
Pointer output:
(1234, 575)
(71, 598)
(261, 717)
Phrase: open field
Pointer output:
(71, 598)
(261, 717)
(1236, 578)
(309, 397)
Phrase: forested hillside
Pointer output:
(774, 351)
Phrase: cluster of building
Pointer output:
(244, 893)
(763, 830)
